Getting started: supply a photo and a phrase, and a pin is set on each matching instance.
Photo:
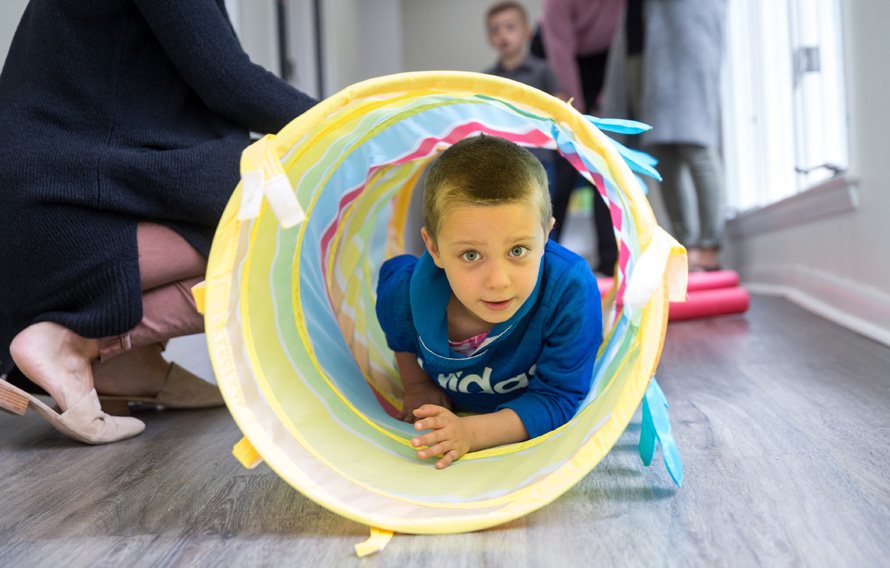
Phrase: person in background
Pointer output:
(664, 70)
(575, 36)
(509, 32)
(122, 123)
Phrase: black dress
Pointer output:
(114, 112)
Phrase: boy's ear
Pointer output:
(549, 228)
(431, 247)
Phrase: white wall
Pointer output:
(363, 39)
(382, 47)
(342, 28)
(255, 23)
(10, 14)
(842, 262)
(450, 35)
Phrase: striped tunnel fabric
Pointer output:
(294, 339)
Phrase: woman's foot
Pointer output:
(141, 372)
(143, 375)
(702, 259)
(57, 359)
(708, 259)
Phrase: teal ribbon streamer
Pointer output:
(656, 430)
(637, 161)
(618, 125)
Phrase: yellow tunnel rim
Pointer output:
(222, 263)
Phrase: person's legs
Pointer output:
(168, 311)
(673, 190)
(708, 182)
(593, 74)
(138, 371)
(132, 364)
(634, 86)
(57, 360)
(564, 184)
(607, 246)
(165, 257)
(64, 363)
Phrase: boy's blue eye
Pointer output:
(518, 251)
(470, 256)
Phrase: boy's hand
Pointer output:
(419, 395)
(450, 436)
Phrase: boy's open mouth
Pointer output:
(497, 306)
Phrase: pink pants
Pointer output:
(168, 268)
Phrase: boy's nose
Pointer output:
(498, 277)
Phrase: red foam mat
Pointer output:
(710, 280)
(710, 303)
(709, 294)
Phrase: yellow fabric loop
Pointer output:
(199, 293)
(376, 542)
(245, 453)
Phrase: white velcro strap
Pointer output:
(648, 272)
(251, 194)
(284, 202)
(676, 274)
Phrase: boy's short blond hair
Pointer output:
(503, 7)
(484, 171)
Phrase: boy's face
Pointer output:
(508, 32)
(491, 256)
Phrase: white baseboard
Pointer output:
(859, 308)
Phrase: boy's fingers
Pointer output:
(429, 438)
(406, 416)
(447, 459)
(428, 410)
(432, 423)
(439, 449)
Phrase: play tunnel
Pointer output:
(289, 304)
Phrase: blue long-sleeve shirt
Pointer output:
(539, 363)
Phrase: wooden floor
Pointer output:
(781, 417)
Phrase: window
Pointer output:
(785, 115)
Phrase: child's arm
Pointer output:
(561, 380)
(453, 436)
(419, 387)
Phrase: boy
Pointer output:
(493, 318)
(509, 33)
